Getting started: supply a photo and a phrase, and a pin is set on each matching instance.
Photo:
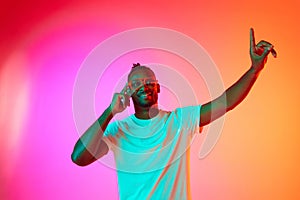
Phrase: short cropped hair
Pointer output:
(138, 66)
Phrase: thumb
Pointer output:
(266, 52)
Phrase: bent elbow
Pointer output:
(76, 160)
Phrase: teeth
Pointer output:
(144, 95)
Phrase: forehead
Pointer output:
(141, 74)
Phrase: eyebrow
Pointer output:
(137, 79)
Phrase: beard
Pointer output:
(145, 99)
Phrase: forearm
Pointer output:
(239, 90)
(89, 143)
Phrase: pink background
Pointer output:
(44, 43)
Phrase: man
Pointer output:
(151, 147)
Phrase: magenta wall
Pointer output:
(44, 44)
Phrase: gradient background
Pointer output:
(43, 44)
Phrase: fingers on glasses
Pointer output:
(126, 90)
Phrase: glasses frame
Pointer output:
(143, 82)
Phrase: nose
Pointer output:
(144, 88)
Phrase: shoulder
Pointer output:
(188, 110)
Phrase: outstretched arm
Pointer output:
(239, 90)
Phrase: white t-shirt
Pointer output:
(152, 156)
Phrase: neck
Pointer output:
(146, 112)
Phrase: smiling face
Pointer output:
(145, 86)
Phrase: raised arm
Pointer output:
(239, 90)
(90, 145)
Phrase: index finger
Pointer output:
(252, 39)
(126, 90)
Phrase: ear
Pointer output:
(158, 88)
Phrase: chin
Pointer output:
(148, 104)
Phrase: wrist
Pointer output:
(109, 111)
(254, 71)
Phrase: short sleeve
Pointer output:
(190, 118)
(110, 133)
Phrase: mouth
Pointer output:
(145, 95)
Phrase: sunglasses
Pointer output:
(136, 83)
